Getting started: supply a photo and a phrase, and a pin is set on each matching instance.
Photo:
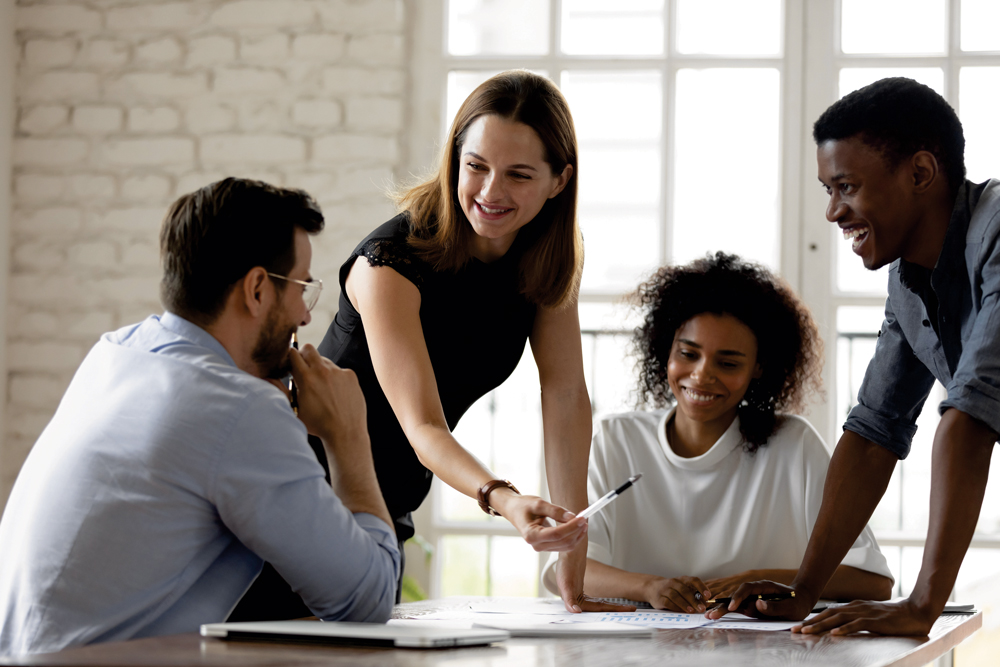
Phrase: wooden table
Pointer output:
(701, 646)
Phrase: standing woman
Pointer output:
(436, 306)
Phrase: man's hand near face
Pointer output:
(332, 407)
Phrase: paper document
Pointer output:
(522, 616)
(649, 619)
(512, 605)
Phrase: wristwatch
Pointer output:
(488, 487)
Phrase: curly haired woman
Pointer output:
(732, 483)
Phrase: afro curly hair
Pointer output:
(789, 348)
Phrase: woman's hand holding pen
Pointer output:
(680, 594)
(746, 602)
(529, 513)
(726, 586)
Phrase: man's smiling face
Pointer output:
(872, 202)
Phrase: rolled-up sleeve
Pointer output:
(271, 493)
(975, 386)
(893, 391)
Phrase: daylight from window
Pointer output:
(680, 108)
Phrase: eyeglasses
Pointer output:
(310, 288)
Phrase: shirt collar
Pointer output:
(192, 332)
(722, 448)
(915, 277)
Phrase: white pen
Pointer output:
(608, 497)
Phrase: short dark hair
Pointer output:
(899, 117)
(789, 348)
(212, 237)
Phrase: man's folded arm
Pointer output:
(271, 493)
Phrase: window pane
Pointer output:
(855, 347)
(893, 26)
(618, 315)
(610, 372)
(463, 565)
(517, 429)
(726, 117)
(852, 276)
(726, 27)
(620, 173)
(504, 430)
(852, 78)
(475, 432)
(602, 28)
(977, 107)
(498, 27)
(980, 19)
(513, 568)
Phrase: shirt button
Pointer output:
(926, 323)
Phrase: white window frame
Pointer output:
(808, 67)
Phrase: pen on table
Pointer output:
(773, 597)
(291, 382)
(608, 497)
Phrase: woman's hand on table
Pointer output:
(569, 578)
(681, 594)
(726, 586)
(744, 601)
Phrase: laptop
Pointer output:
(354, 634)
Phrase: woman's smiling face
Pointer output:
(503, 182)
(712, 361)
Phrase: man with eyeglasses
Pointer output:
(175, 466)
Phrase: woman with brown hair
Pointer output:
(436, 306)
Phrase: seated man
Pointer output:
(173, 467)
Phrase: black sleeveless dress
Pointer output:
(475, 323)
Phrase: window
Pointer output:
(694, 121)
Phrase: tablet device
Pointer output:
(354, 634)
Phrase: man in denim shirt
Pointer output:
(891, 158)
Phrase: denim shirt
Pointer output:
(956, 340)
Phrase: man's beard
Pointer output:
(270, 352)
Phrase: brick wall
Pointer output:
(123, 105)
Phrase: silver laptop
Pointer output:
(354, 634)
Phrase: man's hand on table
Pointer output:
(883, 618)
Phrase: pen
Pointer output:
(774, 597)
(608, 497)
(291, 382)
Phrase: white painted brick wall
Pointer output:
(124, 105)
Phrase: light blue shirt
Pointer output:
(148, 503)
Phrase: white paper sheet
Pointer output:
(539, 612)
(513, 605)
(651, 619)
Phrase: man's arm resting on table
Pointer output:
(857, 477)
(963, 447)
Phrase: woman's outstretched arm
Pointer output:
(389, 306)
(566, 424)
